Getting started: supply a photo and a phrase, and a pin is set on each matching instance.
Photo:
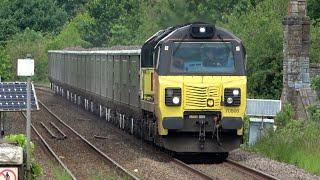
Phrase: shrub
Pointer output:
(315, 84)
(284, 116)
(21, 139)
(5, 65)
(314, 113)
(296, 143)
(29, 42)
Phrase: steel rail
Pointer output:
(250, 171)
(118, 167)
(49, 131)
(51, 150)
(64, 136)
(191, 169)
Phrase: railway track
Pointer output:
(250, 173)
(177, 162)
(234, 166)
(256, 174)
(64, 143)
(52, 152)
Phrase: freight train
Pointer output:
(183, 90)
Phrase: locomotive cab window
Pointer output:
(202, 58)
(206, 57)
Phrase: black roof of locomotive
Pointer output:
(180, 32)
(184, 33)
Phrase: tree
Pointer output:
(71, 6)
(314, 9)
(39, 15)
(261, 31)
(29, 42)
(113, 18)
(5, 65)
(72, 33)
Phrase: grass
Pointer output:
(61, 174)
(297, 143)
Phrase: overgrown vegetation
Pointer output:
(295, 141)
(315, 84)
(313, 110)
(21, 140)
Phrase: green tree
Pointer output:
(72, 33)
(119, 15)
(314, 9)
(39, 15)
(8, 28)
(315, 43)
(261, 31)
(5, 65)
(72, 6)
(29, 42)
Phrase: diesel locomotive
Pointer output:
(184, 89)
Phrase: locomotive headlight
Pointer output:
(202, 29)
(235, 92)
(173, 96)
(229, 100)
(176, 100)
(232, 96)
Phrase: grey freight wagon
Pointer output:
(104, 76)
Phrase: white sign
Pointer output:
(10, 173)
(25, 67)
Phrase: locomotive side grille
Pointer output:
(196, 97)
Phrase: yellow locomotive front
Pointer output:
(199, 89)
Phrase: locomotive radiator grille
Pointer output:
(196, 97)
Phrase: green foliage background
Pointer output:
(35, 26)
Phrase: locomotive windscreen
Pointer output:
(202, 57)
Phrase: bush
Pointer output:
(21, 140)
(296, 143)
(5, 65)
(314, 113)
(315, 84)
(315, 42)
(29, 42)
(284, 116)
(72, 34)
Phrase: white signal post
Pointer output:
(26, 68)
